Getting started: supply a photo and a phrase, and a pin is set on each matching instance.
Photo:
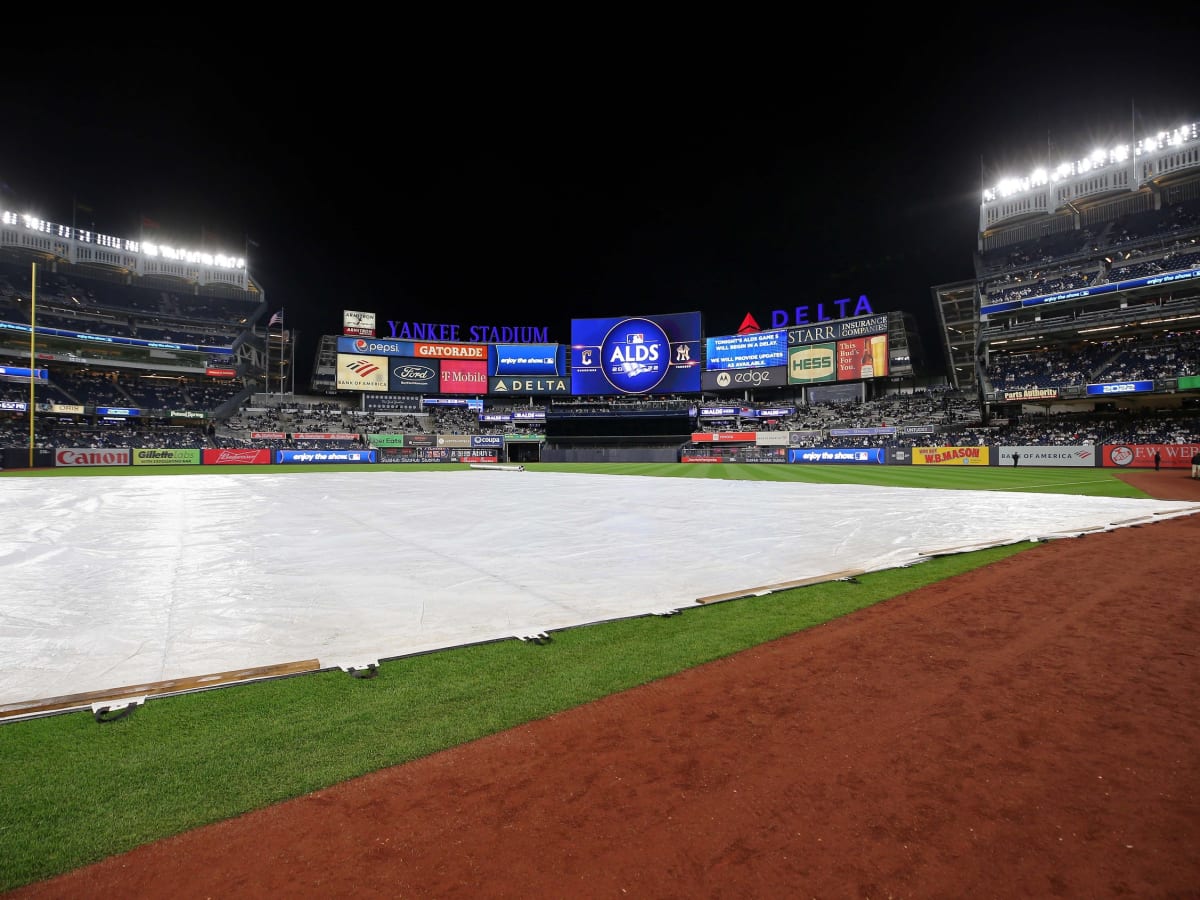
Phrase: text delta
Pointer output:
(802, 315)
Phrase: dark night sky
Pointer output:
(500, 183)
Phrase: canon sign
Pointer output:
(77, 456)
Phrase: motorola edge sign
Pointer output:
(739, 379)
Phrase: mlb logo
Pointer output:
(635, 339)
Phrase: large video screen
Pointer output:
(746, 351)
(636, 355)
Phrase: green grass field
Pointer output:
(76, 791)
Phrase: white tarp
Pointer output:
(123, 580)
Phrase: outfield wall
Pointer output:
(1118, 456)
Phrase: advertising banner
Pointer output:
(951, 456)
(358, 323)
(529, 415)
(862, 358)
(66, 409)
(762, 455)
(865, 431)
(187, 414)
(528, 359)
(744, 351)
(325, 456)
(740, 379)
(795, 438)
(468, 402)
(1189, 383)
(418, 440)
(376, 346)
(268, 435)
(839, 330)
(838, 455)
(166, 457)
(460, 376)
(1082, 456)
(637, 355)
(362, 373)
(391, 403)
(772, 439)
(477, 352)
(14, 406)
(407, 374)
(221, 373)
(385, 440)
(1120, 387)
(237, 456)
(701, 459)
(24, 374)
(74, 457)
(1141, 456)
(811, 363)
(454, 440)
(325, 436)
(522, 385)
(724, 437)
(117, 411)
(1030, 394)
(487, 440)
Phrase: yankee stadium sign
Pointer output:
(475, 334)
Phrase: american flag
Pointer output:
(276, 319)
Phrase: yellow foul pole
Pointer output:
(32, 347)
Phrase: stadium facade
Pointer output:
(1081, 267)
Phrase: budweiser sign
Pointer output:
(237, 456)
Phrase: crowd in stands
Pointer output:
(75, 385)
(120, 310)
(1135, 245)
(1165, 356)
(919, 418)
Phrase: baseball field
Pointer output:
(1013, 721)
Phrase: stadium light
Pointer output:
(1097, 159)
(142, 248)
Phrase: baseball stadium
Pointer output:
(661, 606)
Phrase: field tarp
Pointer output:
(121, 580)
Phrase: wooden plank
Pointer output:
(156, 688)
(780, 586)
